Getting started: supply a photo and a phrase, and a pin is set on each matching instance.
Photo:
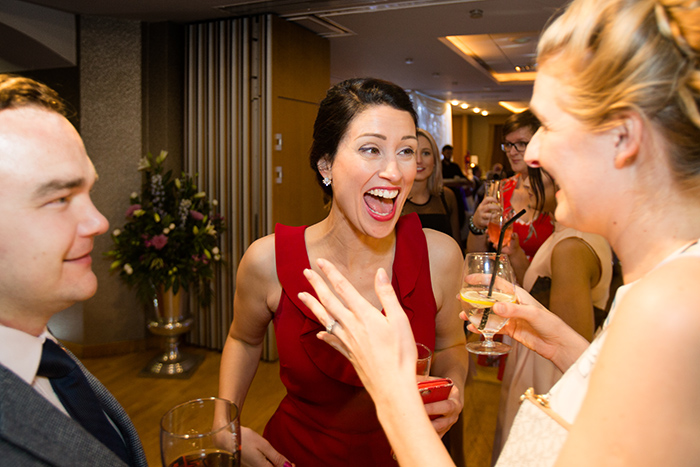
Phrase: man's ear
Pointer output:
(628, 139)
(324, 167)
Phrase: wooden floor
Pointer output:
(147, 399)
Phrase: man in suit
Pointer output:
(47, 228)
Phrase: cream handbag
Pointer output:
(537, 435)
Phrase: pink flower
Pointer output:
(196, 215)
(132, 208)
(157, 242)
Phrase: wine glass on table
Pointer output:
(487, 278)
(201, 433)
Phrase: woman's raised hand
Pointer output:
(380, 347)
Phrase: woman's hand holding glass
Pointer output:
(488, 206)
(538, 329)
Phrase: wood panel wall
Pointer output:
(475, 134)
(300, 79)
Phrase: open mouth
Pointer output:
(381, 202)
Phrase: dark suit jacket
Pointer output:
(35, 433)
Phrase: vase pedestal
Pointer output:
(170, 322)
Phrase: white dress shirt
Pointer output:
(21, 353)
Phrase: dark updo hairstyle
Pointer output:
(342, 103)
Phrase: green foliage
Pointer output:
(171, 236)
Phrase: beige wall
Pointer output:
(130, 80)
(300, 79)
(111, 127)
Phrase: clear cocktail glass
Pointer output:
(487, 278)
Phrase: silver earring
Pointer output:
(326, 181)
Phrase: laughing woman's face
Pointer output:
(374, 168)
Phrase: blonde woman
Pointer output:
(435, 206)
(617, 92)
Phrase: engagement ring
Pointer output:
(329, 326)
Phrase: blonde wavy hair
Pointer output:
(435, 179)
(634, 55)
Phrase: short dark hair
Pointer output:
(18, 91)
(447, 146)
(525, 119)
(342, 103)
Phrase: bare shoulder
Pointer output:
(446, 262)
(259, 258)
(667, 299)
(575, 250)
(442, 250)
(256, 278)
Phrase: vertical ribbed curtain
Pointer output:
(226, 145)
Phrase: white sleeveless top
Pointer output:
(567, 395)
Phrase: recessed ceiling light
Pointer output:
(464, 105)
(409, 61)
(476, 110)
(484, 113)
(454, 102)
(436, 75)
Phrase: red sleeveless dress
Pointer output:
(327, 418)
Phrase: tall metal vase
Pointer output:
(171, 320)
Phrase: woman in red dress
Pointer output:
(364, 153)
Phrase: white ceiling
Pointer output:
(383, 35)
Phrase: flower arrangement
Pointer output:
(171, 235)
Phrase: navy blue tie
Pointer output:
(78, 398)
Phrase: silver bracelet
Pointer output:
(474, 229)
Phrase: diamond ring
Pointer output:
(329, 326)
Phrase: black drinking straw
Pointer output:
(485, 316)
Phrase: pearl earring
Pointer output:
(326, 181)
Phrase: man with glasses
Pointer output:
(533, 228)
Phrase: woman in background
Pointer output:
(530, 230)
(618, 95)
(364, 155)
(435, 206)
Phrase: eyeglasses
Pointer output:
(520, 146)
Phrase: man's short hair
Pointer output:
(18, 91)
(447, 146)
